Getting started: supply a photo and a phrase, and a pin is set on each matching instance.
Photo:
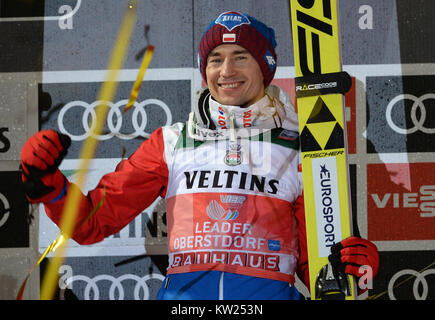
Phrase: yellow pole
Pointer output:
(136, 87)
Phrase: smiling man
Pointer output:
(230, 178)
(234, 76)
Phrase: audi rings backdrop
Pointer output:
(51, 68)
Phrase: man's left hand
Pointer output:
(350, 254)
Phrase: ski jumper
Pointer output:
(234, 200)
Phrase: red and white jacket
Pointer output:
(233, 191)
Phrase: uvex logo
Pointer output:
(208, 133)
(423, 200)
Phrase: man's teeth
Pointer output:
(229, 85)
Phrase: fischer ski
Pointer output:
(320, 86)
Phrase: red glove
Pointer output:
(40, 158)
(352, 253)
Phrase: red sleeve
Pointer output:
(302, 265)
(129, 190)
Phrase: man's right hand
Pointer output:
(40, 158)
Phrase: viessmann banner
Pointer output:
(401, 201)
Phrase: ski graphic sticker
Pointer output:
(328, 208)
(329, 131)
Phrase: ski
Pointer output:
(320, 85)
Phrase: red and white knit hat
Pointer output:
(246, 31)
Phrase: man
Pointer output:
(234, 196)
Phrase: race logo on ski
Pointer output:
(232, 19)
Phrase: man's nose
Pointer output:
(227, 68)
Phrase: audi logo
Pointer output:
(418, 122)
(420, 281)
(114, 118)
(116, 290)
(4, 209)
